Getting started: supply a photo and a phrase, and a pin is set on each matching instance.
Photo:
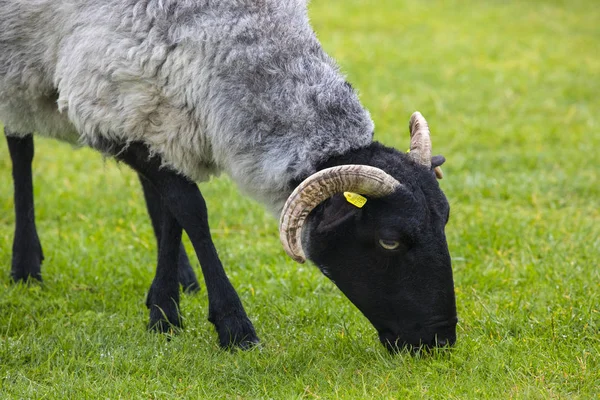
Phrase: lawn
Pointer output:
(512, 94)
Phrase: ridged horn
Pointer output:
(362, 179)
(420, 140)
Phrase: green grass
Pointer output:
(511, 91)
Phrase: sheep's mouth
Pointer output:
(439, 333)
(395, 344)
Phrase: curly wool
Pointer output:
(241, 86)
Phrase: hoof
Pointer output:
(164, 320)
(236, 332)
(190, 288)
(26, 277)
(27, 264)
(164, 309)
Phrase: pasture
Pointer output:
(511, 93)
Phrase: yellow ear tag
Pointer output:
(355, 199)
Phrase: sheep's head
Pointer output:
(389, 255)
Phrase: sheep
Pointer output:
(182, 90)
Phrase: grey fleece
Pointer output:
(241, 86)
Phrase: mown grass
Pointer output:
(511, 93)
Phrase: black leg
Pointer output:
(163, 297)
(27, 254)
(187, 277)
(185, 203)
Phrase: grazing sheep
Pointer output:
(181, 90)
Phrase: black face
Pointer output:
(390, 257)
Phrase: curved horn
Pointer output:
(363, 179)
(420, 141)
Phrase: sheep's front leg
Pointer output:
(27, 253)
(184, 201)
(163, 297)
(186, 275)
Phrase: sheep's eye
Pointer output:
(389, 244)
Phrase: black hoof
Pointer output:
(191, 288)
(27, 266)
(26, 277)
(164, 320)
(164, 310)
(187, 280)
(236, 332)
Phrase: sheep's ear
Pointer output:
(335, 212)
(436, 161)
